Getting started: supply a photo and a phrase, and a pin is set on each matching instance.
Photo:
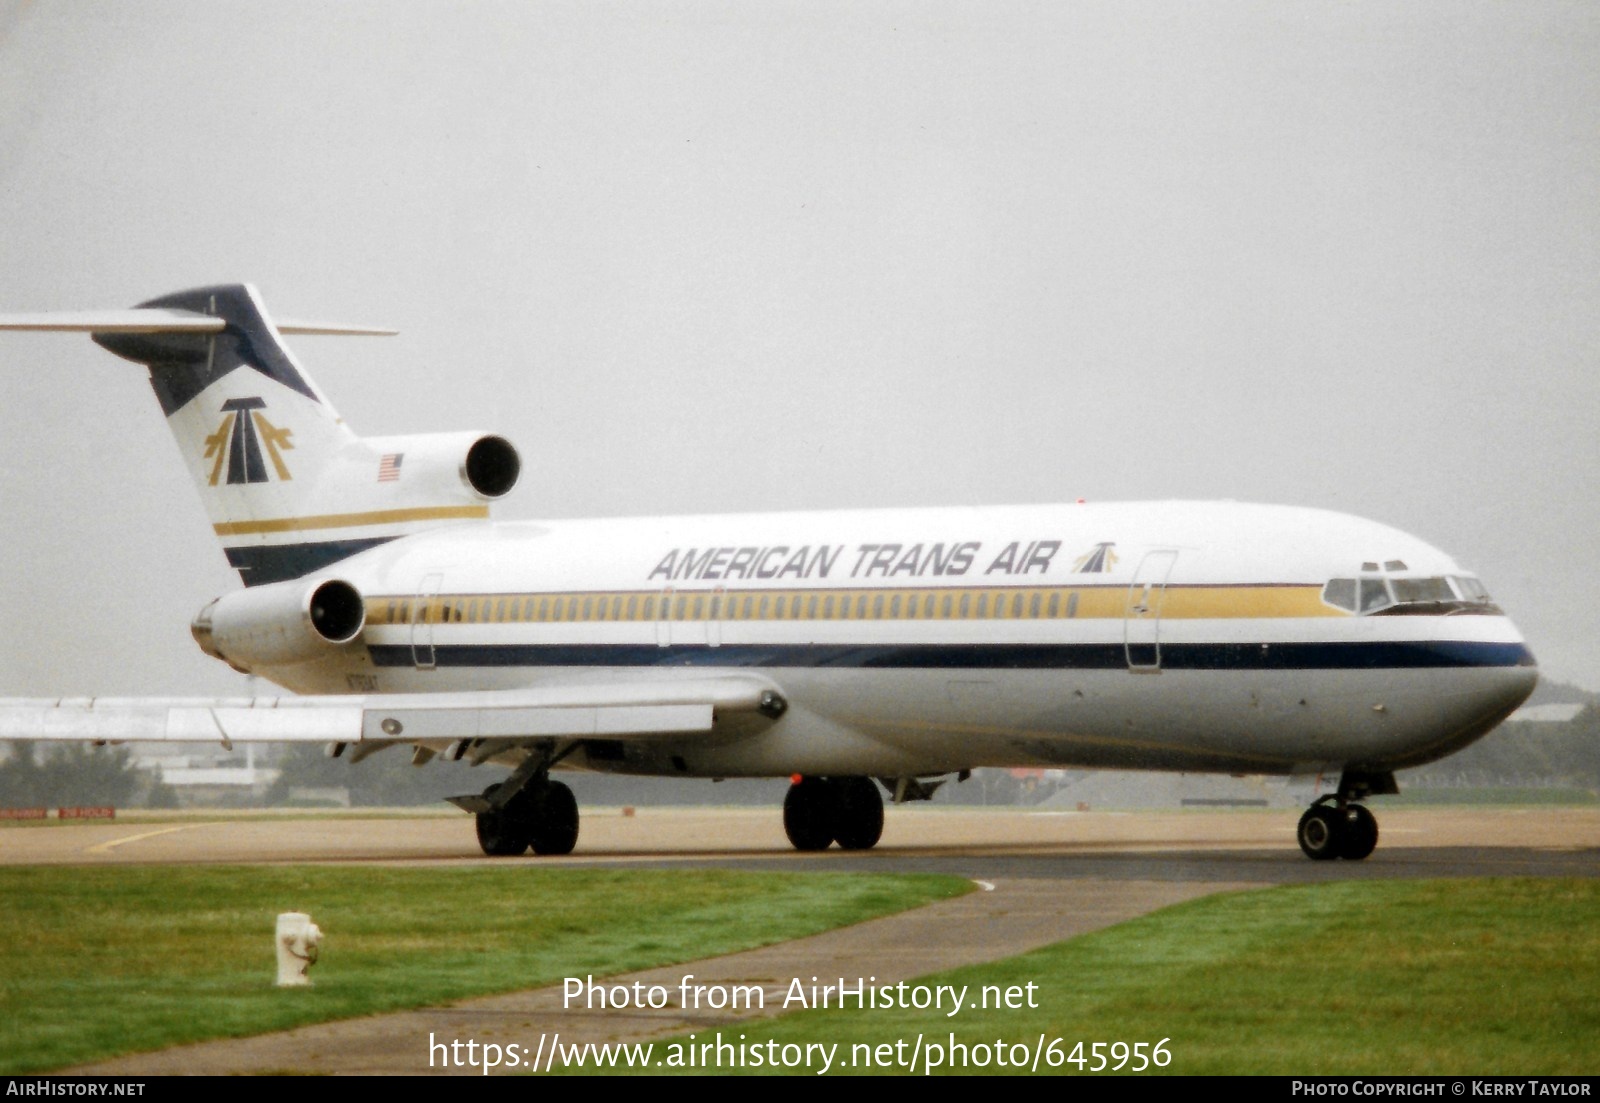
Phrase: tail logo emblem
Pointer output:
(239, 439)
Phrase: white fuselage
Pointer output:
(1166, 635)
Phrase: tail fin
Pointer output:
(288, 487)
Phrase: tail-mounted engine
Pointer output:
(439, 466)
(281, 624)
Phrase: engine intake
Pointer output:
(282, 624)
(491, 467)
(451, 467)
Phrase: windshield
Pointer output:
(1438, 595)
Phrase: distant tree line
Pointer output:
(1526, 753)
(37, 775)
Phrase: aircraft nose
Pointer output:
(1496, 692)
(1519, 683)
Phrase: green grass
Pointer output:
(1369, 978)
(101, 961)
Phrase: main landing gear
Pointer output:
(819, 811)
(543, 814)
(1335, 826)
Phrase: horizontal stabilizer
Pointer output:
(146, 320)
(333, 329)
(165, 320)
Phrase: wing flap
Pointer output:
(610, 722)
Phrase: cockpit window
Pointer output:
(1390, 596)
(1374, 595)
(1409, 590)
(1382, 594)
(1341, 592)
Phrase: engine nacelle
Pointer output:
(280, 624)
(438, 466)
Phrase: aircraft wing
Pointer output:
(501, 718)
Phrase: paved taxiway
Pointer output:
(1050, 876)
(1250, 846)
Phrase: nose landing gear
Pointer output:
(1328, 831)
(1338, 826)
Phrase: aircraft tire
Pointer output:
(858, 812)
(1320, 832)
(1359, 833)
(554, 821)
(501, 833)
(808, 814)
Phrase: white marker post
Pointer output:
(298, 939)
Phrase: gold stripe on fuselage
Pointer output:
(353, 520)
(944, 603)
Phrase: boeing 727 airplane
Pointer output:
(861, 653)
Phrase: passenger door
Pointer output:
(1141, 621)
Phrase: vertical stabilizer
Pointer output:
(288, 487)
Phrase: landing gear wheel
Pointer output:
(808, 814)
(502, 833)
(555, 820)
(1358, 833)
(858, 812)
(1321, 830)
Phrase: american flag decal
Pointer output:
(389, 467)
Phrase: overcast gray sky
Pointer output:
(698, 257)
